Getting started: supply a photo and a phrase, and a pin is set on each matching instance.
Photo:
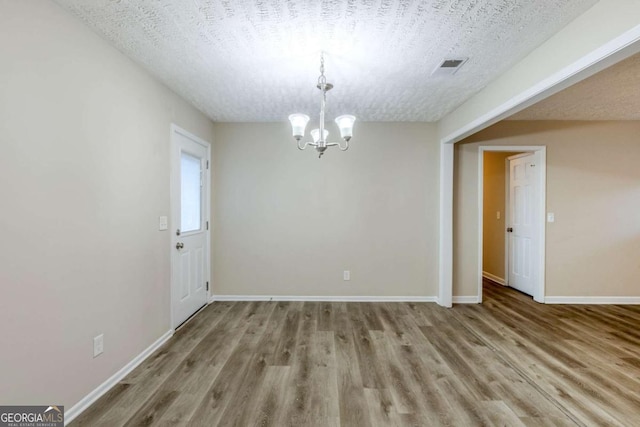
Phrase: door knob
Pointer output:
(510, 230)
(179, 245)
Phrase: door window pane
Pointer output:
(191, 195)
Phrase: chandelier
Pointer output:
(319, 136)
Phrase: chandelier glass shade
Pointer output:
(320, 135)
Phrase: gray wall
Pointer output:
(288, 223)
(84, 172)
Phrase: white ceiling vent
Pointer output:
(449, 67)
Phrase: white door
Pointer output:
(522, 222)
(189, 219)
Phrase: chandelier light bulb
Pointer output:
(298, 124)
(345, 123)
(315, 134)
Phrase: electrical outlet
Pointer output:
(98, 345)
(346, 275)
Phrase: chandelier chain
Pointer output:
(322, 80)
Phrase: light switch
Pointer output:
(98, 345)
(498, 215)
(163, 223)
(346, 275)
(551, 217)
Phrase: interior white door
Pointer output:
(189, 191)
(522, 223)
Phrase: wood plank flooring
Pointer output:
(507, 362)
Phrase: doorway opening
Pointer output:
(511, 222)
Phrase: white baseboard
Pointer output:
(473, 299)
(593, 300)
(86, 401)
(320, 298)
(494, 278)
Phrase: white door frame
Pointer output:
(174, 206)
(540, 152)
(445, 247)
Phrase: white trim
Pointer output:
(494, 278)
(445, 285)
(471, 299)
(321, 298)
(506, 213)
(606, 55)
(542, 226)
(90, 398)
(593, 300)
(517, 156)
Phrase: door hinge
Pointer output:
(207, 225)
(207, 286)
(207, 164)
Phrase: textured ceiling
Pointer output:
(241, 60)
(612, 94)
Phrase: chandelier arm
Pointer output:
(332, 144)
(302, 147)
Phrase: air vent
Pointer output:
(449, 67)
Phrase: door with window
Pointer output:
(189, 219)
(522, 224)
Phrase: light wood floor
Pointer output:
(507, 362)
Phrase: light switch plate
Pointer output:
(346, 275)
(551, 217)
(98, 345)
(498, 215)
(163, 223)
